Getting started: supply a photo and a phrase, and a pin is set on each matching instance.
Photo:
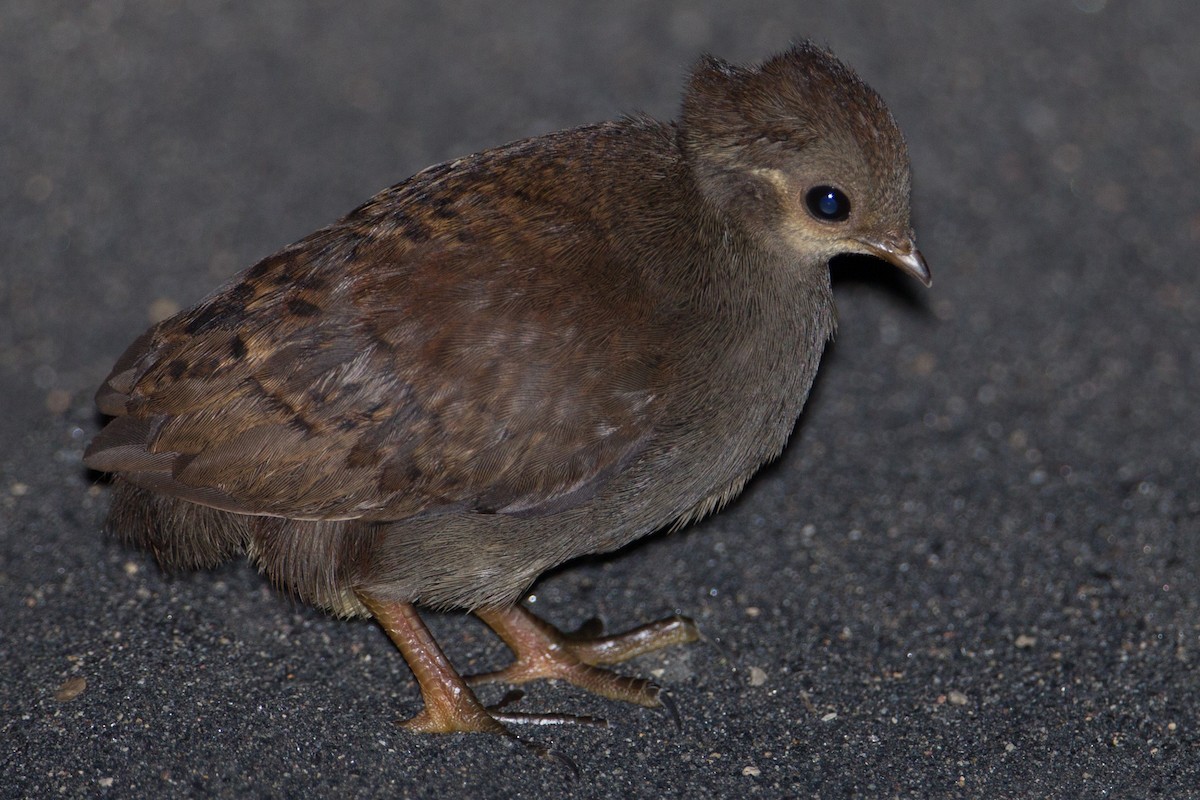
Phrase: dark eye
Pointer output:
(827, 203)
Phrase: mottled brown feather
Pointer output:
(397, 389)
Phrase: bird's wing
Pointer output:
(430, 352)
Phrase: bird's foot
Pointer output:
(450, 705)
(544, 652)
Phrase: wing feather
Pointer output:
(432, 351)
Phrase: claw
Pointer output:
(667, 702)
(555, 756)
(510, 697)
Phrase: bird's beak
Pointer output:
(903, 254)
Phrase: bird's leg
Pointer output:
(450, 705)
(543, 651)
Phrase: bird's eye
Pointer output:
(828, 203)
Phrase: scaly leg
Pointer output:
(450, 705)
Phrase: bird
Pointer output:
(544, 350)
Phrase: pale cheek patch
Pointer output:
(796, 229)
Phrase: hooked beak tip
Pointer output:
(903, 255)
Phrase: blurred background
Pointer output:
(974, 571)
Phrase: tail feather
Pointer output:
(181, 535)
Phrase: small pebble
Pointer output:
(58, 401)
(758, 676)
(162, 308)
(70, 689)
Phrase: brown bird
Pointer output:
(540, 351)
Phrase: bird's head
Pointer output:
(803, 156)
